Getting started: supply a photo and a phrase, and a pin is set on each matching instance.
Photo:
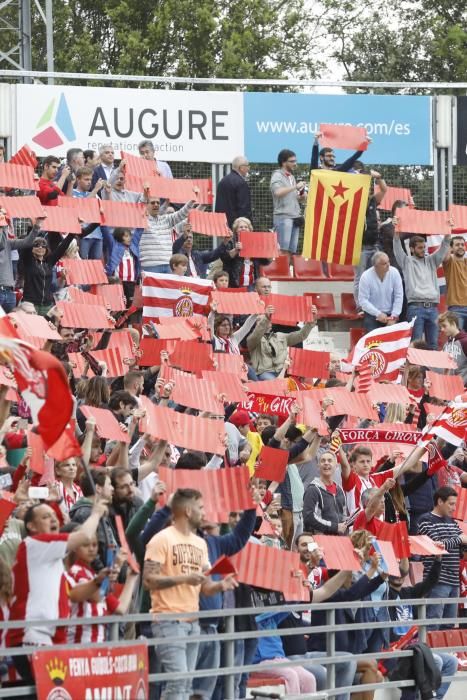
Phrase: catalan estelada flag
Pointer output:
(335, 216)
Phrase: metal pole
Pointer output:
(49, 29)
(331, 647)
(422, 631)
(25, 39)
(442, 179)
(229, 683)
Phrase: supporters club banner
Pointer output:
(373, 435)
(270, 405)
(114, 673)
(212, 126)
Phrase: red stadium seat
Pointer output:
(310, 270)
(355, 335)
(349, 309)
(341, 273)
(257, 680)
(279, 269)
(325, 304)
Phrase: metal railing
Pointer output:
(229, 637)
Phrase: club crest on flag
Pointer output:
(184, 305)
(335, 216)
(458, 418)
(375, 359)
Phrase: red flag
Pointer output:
(343, 136)
(386, 348)
(43, 384)
(451, 425)
(436, 460)
(272, 464)
(132, 563)
(67, 445)
(172, 295)
(222, 566)
(396, 533)
(208, 223)
(25, 156)
(7, 507)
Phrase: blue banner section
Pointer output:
(399, 126)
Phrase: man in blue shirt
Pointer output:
(380, 293)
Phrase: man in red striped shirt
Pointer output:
(357, 476)
(39, 589)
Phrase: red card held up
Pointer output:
(23, 207)
(150, 349)
(200, 394)
(431, 358)
(83, 316)
(258, 244)
(424, 545)
(390, 563)
(6, 509)
(272, 464)
(461, 505)
(87, 208)
(397, 534)
(175, 190)
(25, 156)
(343, 136)
(38, 452)
(124, 214)
(107, 425)
(222, 566)
(17, 176)
(192, 356)
(243, 303)
(62, 220)
(84, 271)
(423, 222)
(208, 223)
(338, 552)
(132, 563)
(395, 194)
(309, 363)
(445, 386)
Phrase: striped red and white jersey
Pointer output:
(39, 590)
(81, 573)
(355, 485)
(126, 270)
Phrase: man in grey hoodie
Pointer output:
(324, 505)
(421, 285)
(456, 344)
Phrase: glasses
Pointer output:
(291, 160)
(39, 245)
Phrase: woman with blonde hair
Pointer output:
(243, 272)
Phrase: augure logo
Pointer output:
(55, 125)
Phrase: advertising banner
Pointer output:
(113, 673)
(399, 126)
(184, 125)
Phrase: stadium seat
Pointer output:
(263, 680)
(279, 269)
(310, 270)
(349, 309)
(341, 273)
(325, 304)
(355, 335)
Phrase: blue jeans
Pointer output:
(91, 248)
(365, 262)
(461, 312)
(7, 299)
(267, 375)
(442, 590)
(426, 323)
(165, 269)
(345, 671)
(209, 657)
(177, 657)
(287, 233)
(245, 650)
(370, 323)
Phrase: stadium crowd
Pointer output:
(61, 513)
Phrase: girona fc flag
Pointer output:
(335, 216)
(172, 295)
(451, 425)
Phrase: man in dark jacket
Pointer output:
(233, 192)
(324, 506)
(198, 260)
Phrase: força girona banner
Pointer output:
(107, 673)
(215, 126)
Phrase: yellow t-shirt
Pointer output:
(177, 554)
(455, 271)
